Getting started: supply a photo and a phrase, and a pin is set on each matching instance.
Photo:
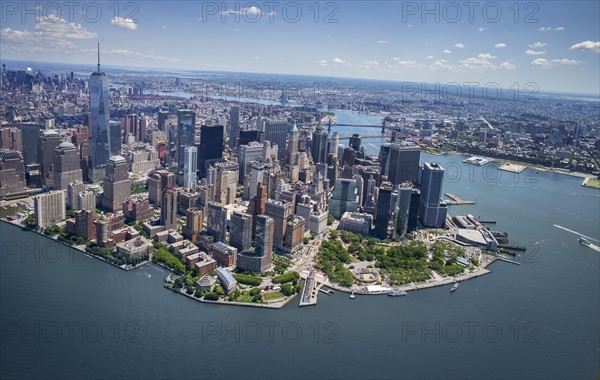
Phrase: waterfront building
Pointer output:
(50, 208)
(432, 211)
(12, 173)
(137, 208)
(205, 264)
(83, 224)
(224, 253)
(137, 248)
(227, 281)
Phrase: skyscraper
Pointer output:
(258, 205)
(384, 207)
(319, 145)
(193, 224)
(117, 186)
(234, 131)
(276, 132)
(216, 221)
(355, 142)
(168, 209)
(186, 122)
(293, 140)
(50, 208)
(49, 140)
(211, 147)
(99, 117)
(12, 173)
(190, 167)
(431, 211)
(66, 166)
(345, 197)
(279, 211)
(261, 257)
(403, 163)
(240, 231)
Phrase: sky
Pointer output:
(553, 44)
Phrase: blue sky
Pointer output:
(554, 44)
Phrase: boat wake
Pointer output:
(575, 232)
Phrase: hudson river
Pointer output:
(67, 316)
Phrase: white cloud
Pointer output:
(534, 52)
(551, 29)
(339, 61)
(371, 63)
(430, 57)
(126, 23)
(482, 29)
(508, 66)
(460, 45)
(252, 10)
(139, 56)
(590, 46)
(486, 56)
(49, 35)
(322, 63)
(538, 45)
(500, 45)
(447, 51)
(382, 42)
(548, 64)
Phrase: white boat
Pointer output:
(352, 295)
(454, 287)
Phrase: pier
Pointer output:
(310, 291)
(455, 200)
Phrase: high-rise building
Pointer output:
(384, 208)
(234, 131)
(73, 189)
(403, 163)
(117, 186)
(86, 200)
(50, 208)
(158, 181)
(224, 253)
(67, 167)
(12, 173)
(162, 120)
(345, 197)
(260, 257)
(211, 147)
(431, 211)
(293, 141)
(401, 212)
(216, 221)
(168, 209)
(355, 142)
(30, 138)
(193, 224)
(279, 211)
(319, 145)
(99, 117)
(49, 140)
(276, 132)
(190, 167)
(186, 135)
(413, 210)
(294, 233)
(258, 205)
(240, 231)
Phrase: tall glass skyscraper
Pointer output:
(186, 135)
(99, 115)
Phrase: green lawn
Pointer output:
(594, 183)
(273, 295)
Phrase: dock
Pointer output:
(455, 200)
(508, 260)
(310, 291)
(513, 168)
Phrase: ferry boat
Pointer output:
(397, 293)
(584, 241)
(454, 287)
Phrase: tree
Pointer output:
(330, 219)
(334, 234)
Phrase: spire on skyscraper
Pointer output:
(98, 56)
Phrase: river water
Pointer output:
(68, 316)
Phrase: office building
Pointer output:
(30, 139)
(234, 130)
(276, 132)
(66, 166)
(190, 167)
(49, 140)
(216, 221)
(12, 173)
(294, 233)
(345, 197)
(186, 136)
(293, 142)
(319, 145)
(260, 257)
(99, 117)
(279, 211)
(158, 181)
(402, 209)
(240, 231)
(50, 208)
(432, 211)
(211, 147)
(383, 211)
(168, 209)
(357, 223)
(403, 163)
(117, 185)
(193, 224)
